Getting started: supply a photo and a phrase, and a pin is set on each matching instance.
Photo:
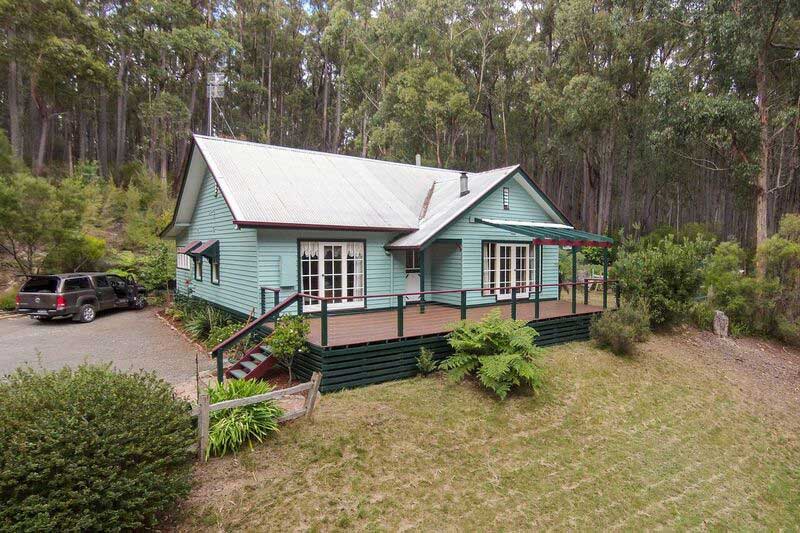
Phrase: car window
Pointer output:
(76, 284)
(116, 279)
(101, 281)
(43, 284)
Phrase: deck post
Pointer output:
(220, 367)
(513, 303)
(277, 298)
(536, 296)
(605, 278)
(585, 291)
(263, 300)
(463, 305)
(574, 279)
(400, 305)
(323, 322)
(422, 280)
(300, 306)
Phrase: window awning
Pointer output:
(208, 249)
(547, 233)
(186, 249)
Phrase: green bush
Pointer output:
(289, 338)
(425, 361)
(499, 352)
(90, 449)
(231, 428)
(8, 299)
(702, 315)
(222, 333)
(666, 277)
(621, 329)
(200, 322)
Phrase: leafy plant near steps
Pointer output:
(200, 322)
(425, 361)
(230, 429)
(289, 338)
(499, 352)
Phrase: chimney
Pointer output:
(418, 159)
(464, 184)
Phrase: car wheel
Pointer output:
(140, 302)
(86, 313)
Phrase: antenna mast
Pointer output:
(215, 89)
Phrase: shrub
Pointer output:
(702, 315)
(222, 333)
(499, 352)
(425, 362)
(666, 277)
(90, 449)
(289, 338)
(229, 429)
(199, 322)
(621, 329)
(8, 299)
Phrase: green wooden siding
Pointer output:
(277, 253)
(443, 271)
(238, 279)
(521, 207)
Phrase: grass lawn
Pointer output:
(690, 433)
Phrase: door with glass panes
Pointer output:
(332, 270)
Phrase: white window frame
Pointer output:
(352, 252)
(507, 265)
(213, 264)
(182, 261)
(197, 268)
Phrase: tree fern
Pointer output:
(499, 352)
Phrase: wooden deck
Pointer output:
(374, 326)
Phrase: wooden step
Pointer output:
(238, 374)
(258, 357)
(249, 365)
(265, 349)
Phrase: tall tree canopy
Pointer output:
(631, 111)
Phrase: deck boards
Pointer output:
(374, 326)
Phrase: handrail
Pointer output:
(254, 324)
(446, 291)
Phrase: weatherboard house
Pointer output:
(383, 257)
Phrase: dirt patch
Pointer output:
(765, 370)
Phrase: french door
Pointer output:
(332, 270)
(507, 265)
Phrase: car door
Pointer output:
(121, 288)
(106, 298)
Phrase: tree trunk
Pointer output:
(765, 154)
(122, 108)
(326, 85)
(13, 105)
(102, 133)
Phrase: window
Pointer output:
(198, 268)
(101, 281)
(42, 284)
(214, 263)
(505, 198)
(332, 270)
(183, 261)
(412, 261)
(508, 265)
(77, 284)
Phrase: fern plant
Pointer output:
(425, 361)
(499, 352)
(229, 429)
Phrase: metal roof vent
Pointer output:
(418, 160)
(464, 184)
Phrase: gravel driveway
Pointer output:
(130, 340)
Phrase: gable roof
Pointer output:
(273, 186)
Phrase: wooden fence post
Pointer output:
(202, 425)
(313, 392)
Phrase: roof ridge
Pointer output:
(306, 151)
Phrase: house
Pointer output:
(381, 255)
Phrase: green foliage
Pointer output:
(499, 352)
(90, 449)
(666, 277)
(74, 253)
(200, 322)
(223, 333)
(8, 301)
(288, 338)
(702, 315)
(621, 329)
(231, 428)
(425, 361)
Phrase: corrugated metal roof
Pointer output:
(273, 185)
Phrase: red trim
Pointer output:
(254, 224)
(188, 248)
(567, 242)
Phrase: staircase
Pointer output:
(255, 363)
